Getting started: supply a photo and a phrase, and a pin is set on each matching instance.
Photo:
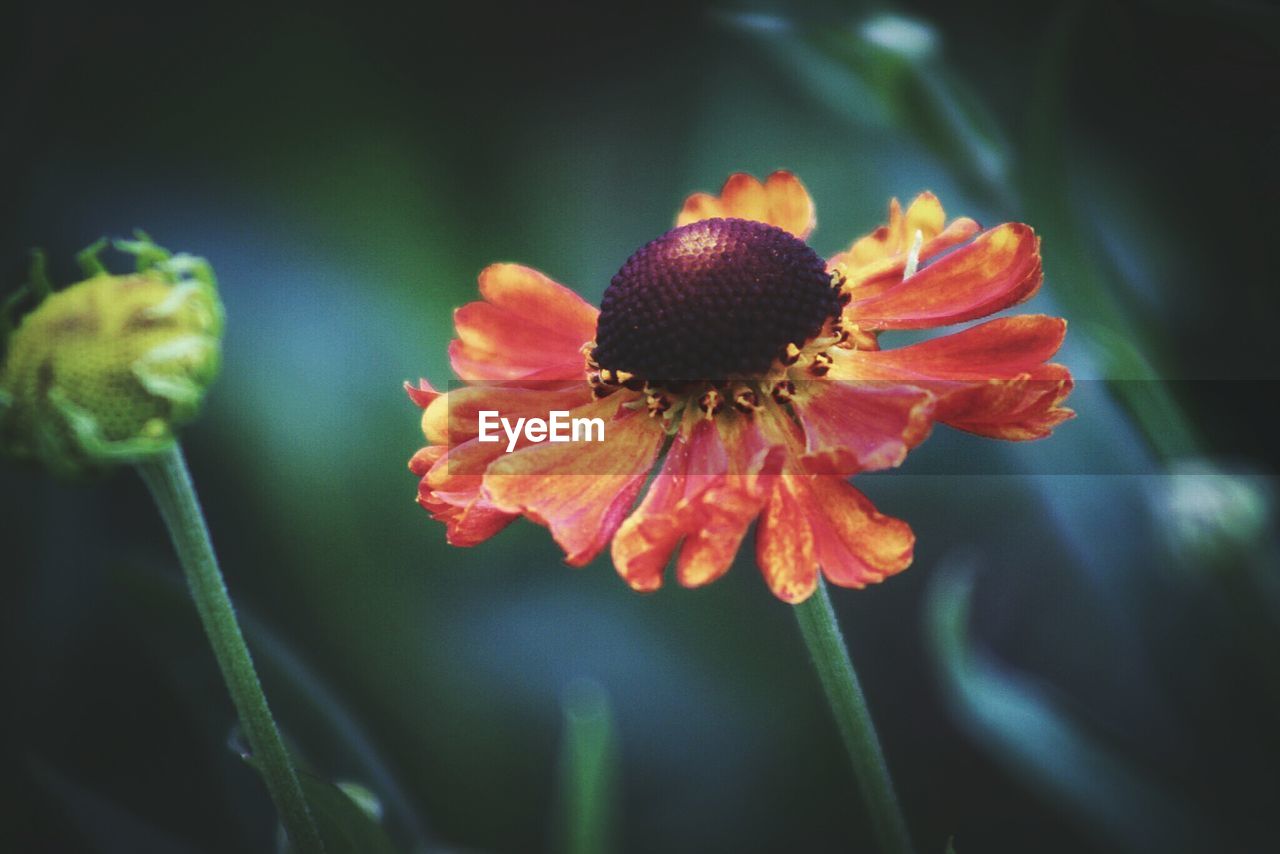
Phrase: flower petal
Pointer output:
(785, 548)
(999, 268)
(990, 379)
(708, 492)
(580, 491)
(643, 545)
(851, 426)
(999, 348)
(876, 252)
(870, 278)
(422, 394)
(856, 545)
(730, 506)
(781, 201)
(527, 328)
(455, 499)
(1019, 409)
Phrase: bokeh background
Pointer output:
(1084, 654)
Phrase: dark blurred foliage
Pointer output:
(1100, 677)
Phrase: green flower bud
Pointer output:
(103, 371)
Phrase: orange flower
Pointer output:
(728, 344)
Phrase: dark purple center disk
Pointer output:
(713, 300)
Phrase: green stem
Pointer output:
(167, 477)
(840, 682)
(587, 773)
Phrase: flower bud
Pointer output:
(103, 371)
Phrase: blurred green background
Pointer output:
(1081, 658)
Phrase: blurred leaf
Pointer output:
(364, 797)
(895, 61)
(1048, 178)
(1024, 729)
(346, 824)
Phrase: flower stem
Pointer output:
(840, 683)
(167, 477)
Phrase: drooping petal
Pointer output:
(1000, 268)
(852, 426)
(814, 521)
(785, 548)
(703, 500)
(781, 201)
(580, 491)
(646, 539)
(729, 507)
(855, 544)
(527, 328)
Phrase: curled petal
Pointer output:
(1000, 268)
(581, 492)
(781, 201)
(421, 462)
(422, 394)
(852, 426)
(527, 328)
(1022, 408)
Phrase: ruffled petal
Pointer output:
(528, 328)
(455, 499)
(989, 379)
(855, 544)
(1000, 268)
(781, 201)
(729, 507)
(580, 491)
(706, 495)
(851, 426)
(1025, 407)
